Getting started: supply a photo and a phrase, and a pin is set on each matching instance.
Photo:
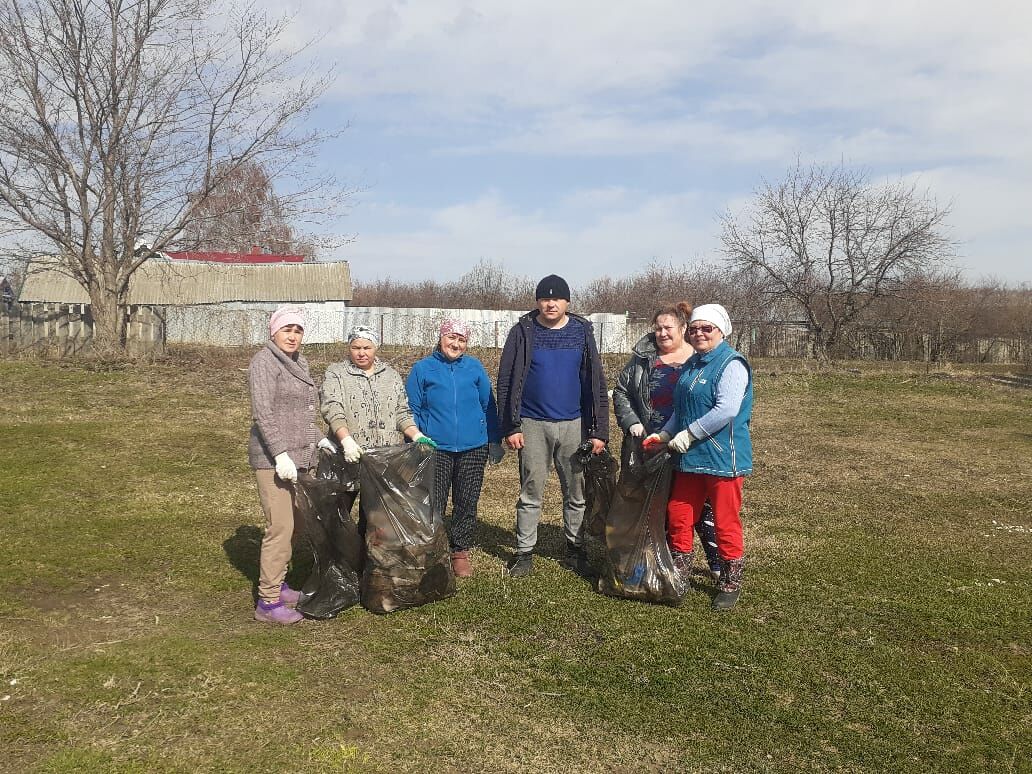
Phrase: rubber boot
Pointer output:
(729, 587)
(683, 561)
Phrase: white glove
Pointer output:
(352, 451)
(637, 430)
(285, 467)
(681, 442)
(495, 453)
(327, 444)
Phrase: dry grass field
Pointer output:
(885, 625)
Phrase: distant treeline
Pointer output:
(951, 312)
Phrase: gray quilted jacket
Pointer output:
(283, 398)
(372, 405)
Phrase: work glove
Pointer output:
(682, 441)
(425, 440)
(352, 451)
(285, 467)
(495, 453)
(637, 430)
(328, 445)
(655, 438)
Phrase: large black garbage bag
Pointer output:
(639, 564)
(333, 467)
(407, 558)
(337, 549)
(599, 486)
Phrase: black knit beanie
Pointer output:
(552, 286)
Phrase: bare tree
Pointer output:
(243, 212)
(486, 286)
(120, 119)
(831, 242)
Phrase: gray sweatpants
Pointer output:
(545, 444)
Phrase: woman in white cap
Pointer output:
(451, 398)
(283, 440)
(709, 433)
(643, 402)
(364, 402)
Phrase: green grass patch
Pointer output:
(884, 625)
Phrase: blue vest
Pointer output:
(728, 452)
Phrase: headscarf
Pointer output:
(455, 325)
(284, 316)
(363, 332)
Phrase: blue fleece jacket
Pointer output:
(452, 402)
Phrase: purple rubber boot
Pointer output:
(276, 613)
(289, 596)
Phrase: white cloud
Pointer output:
(920, 87)
(609, 240)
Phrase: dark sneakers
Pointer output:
(520, 565)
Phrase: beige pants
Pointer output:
(278, 505)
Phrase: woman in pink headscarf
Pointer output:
(451, 398)
(283, 440)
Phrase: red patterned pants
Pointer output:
(689, 493)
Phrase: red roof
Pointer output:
(255, 256)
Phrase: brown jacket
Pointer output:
(283, 404)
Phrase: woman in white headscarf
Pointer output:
(364, 401)
(709, 436)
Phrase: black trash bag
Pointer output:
(333, 467)
(408, 562)
(639, 564)
(322, 501)
(599, 487)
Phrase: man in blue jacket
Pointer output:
(551, 397)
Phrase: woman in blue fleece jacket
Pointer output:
(450, 395)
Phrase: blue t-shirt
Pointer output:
(553, 389)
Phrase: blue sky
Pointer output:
(588, 138)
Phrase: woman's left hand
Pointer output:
(637, 429)
(425, 440)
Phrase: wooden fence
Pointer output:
(67, 329)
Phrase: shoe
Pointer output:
(461, 565)
(289, 596)
(520, 565)
(729, 587)
(276, 613)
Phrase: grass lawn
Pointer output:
(885, 623)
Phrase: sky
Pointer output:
(590, 138)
